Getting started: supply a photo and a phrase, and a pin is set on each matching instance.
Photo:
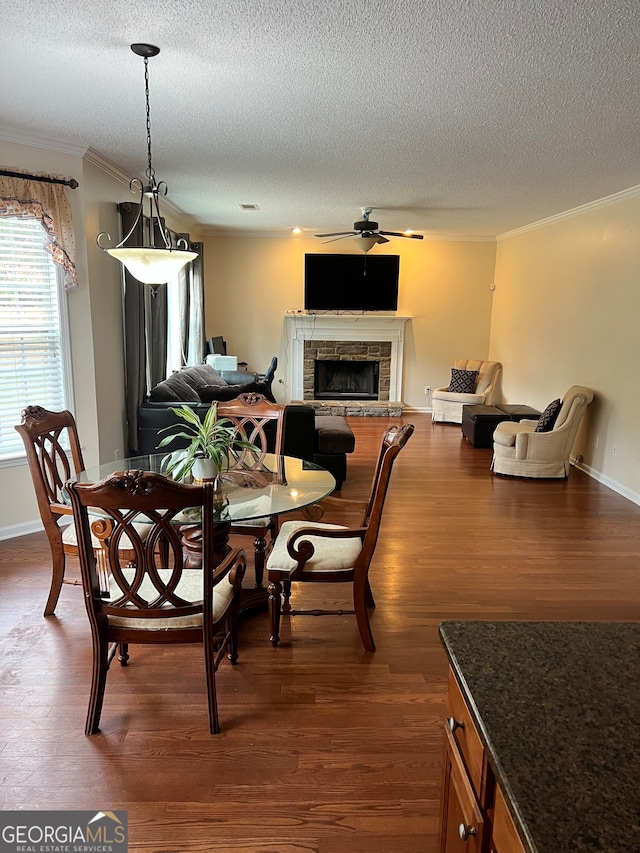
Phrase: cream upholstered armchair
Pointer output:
(447, 405)
(520, 451)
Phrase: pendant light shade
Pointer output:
(152, 266)
(149, 263)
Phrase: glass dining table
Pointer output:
(279, 485)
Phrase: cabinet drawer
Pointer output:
(467, 738)
(505, 836)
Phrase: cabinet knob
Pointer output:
(454, 724)
(466, 832)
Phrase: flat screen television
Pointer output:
(351, 282)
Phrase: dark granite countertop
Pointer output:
(557, 705)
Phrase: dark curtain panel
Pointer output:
(135, 357)
(197, 341)
(145, 322)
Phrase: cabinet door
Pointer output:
(504, 836)
(462, 827)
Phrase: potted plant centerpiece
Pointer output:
(212, 442)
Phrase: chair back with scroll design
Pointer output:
(158, 599)
(316, 552)
(262, 423)
(49, 438)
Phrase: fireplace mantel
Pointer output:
(298, 328)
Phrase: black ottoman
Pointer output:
(334, 439)
(519, 412)
(479, 422)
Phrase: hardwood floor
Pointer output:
(325, 748)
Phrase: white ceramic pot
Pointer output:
(204, 469)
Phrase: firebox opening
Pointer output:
(353, 380)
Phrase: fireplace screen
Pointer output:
(353, 380)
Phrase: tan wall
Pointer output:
(566, 310)
(444, 287)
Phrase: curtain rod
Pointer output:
(71, 182)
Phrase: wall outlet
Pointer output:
(614, 450)
(427, 389)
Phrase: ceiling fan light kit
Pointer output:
(367, 233)
(149, 263)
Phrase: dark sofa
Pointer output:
(322, 440)
(202, 384)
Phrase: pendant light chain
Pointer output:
(147, 262)
(151, 175)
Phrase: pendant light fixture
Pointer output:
(149, 263)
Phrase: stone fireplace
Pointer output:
(360, 355)
(362, 367)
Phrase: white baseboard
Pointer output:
(12, 531)
(634, 497)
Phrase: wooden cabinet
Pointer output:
(462, 822)
(504, 835)
(474, 817)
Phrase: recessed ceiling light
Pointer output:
(249, 207)
(296, 230)
(408, 231)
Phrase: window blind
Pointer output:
(31, 347)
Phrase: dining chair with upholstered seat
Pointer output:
(260, 422)
(49, 438)
(54, 454)
(316, 552)
(157, 600)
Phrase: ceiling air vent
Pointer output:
(249, 207)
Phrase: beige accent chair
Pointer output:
(447, 405)
(520, 451)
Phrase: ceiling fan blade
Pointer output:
(338, 234)
(382, 239)
(341, 237)
(399, 234)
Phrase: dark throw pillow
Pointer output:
(463, 381)
(548, 418)
(201, 374)
(174, 389)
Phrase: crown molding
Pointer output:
(108, 166)
(608, 200)
(21, 137)
(97, 159)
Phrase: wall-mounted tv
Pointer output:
(351, 282)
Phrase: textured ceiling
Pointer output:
(452, 117)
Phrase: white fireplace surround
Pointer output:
(298, 328)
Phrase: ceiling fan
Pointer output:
(367, 233)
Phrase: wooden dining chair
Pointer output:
(53, 452)
(49, 438)
(262, 423)
(316, 552)
(157, 600)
